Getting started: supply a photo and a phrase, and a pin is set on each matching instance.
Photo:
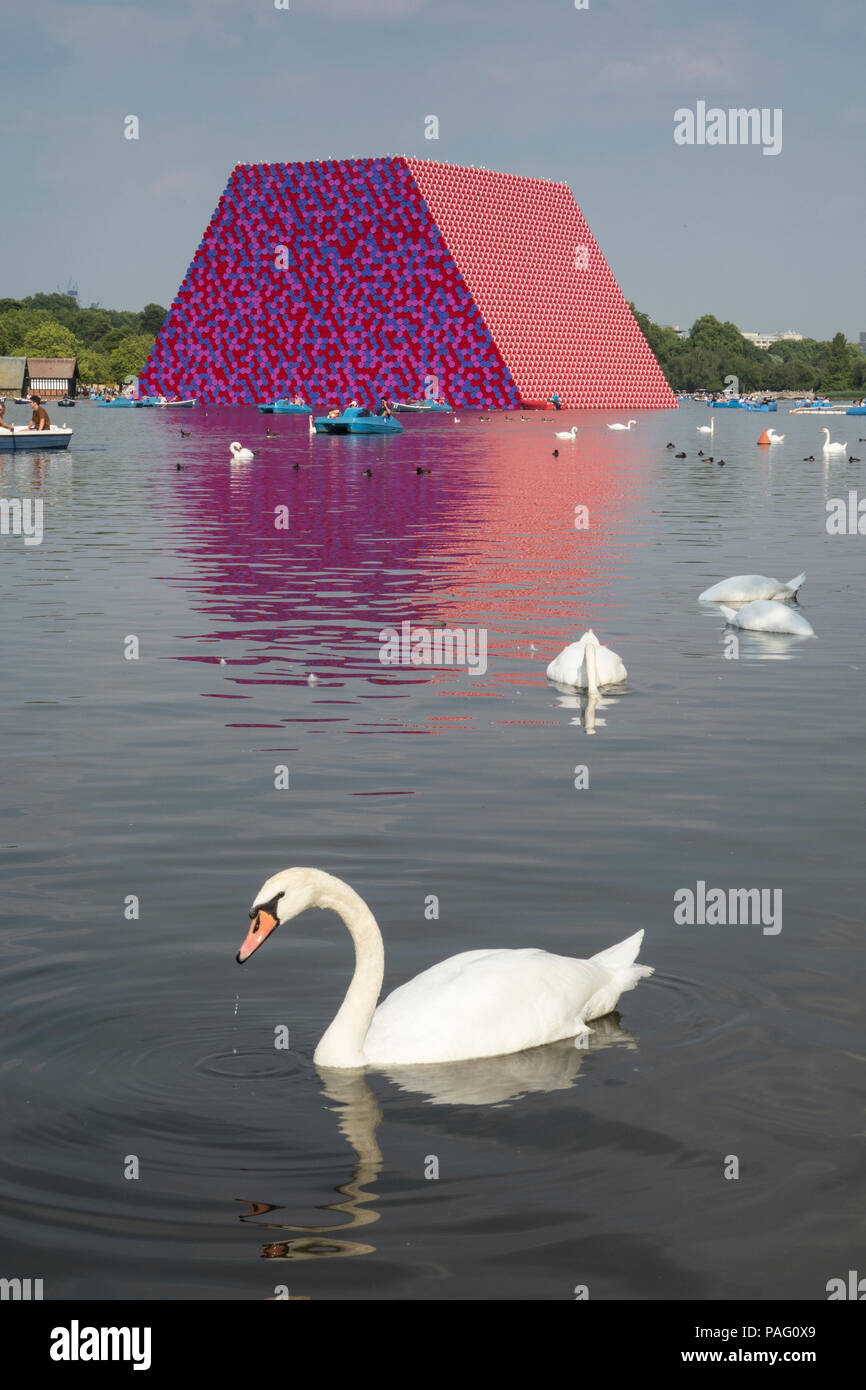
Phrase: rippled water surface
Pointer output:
(155, 778)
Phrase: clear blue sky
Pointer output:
(538, 87)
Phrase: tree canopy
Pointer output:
(109, 344)
(714, 351)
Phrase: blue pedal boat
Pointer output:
(357, 419)
(285, 407)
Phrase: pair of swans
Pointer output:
(832, 448)
(766, 604)
(487, 1003)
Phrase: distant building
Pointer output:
(765, 340)
(680, 332)
(52, 376)
(12, 373)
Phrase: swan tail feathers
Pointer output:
(621, 958)
(728, 612)
(797, 582)
(623, 974)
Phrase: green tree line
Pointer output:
(715, 350)
(110, 344)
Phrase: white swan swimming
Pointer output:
(774, 438)
(586, 665)
(567, 434)
(486, 1003)
(623, 427)
(829, 448)
(746, 588)
(240, 455)
(708, 429)
(765, 615)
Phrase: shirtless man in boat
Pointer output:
(39, 419)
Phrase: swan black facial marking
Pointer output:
(270, 907)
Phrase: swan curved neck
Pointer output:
(591, 668)
(342, 1045)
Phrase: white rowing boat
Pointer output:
(23, 440)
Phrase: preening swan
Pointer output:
(586, 665)
(774, 438)
(623, 427)
(829, 448)
(745, 588)
(240, 455)
(485, 1003)
(708, 429)
(567, 434)
(768, 616)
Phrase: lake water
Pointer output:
(139, 1042)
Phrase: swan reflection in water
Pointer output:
(586, 703)
(486, 1081)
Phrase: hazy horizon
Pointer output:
(588, 97)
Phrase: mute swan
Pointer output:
(567, 434)
(312, 426)
(746, 588)
(775, 438)
(240, 455)
(585, 665)
(829, 448)
(486, 1003)
(708, 429)
(768, 616)
(623, 427)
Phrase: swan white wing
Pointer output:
(484, 1004)
(743, 588)
(569, 667)
(769, 616)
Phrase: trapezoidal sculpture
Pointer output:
(396, 276)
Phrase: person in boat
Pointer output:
(4, 423)
(555, 401)
(333, 414)
(39, 419)
(384, 408)
(163, 401)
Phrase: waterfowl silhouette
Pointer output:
(422, 470)
(556, 453)
(679, 456)
(367, 473)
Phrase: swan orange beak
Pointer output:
(260, 929)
